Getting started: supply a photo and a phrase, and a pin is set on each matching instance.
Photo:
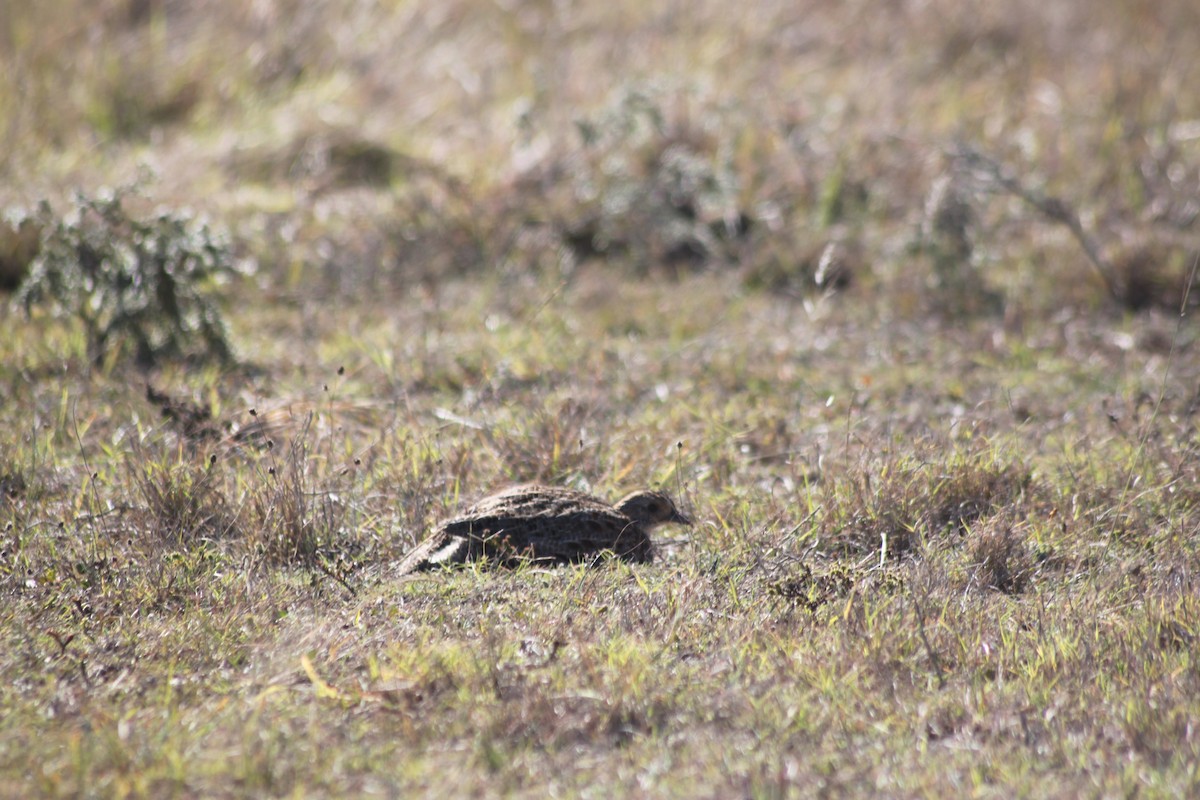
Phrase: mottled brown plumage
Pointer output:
(546, 524)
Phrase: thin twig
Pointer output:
(1162, 391)
(933, 656)
(1053, 208)
(321, 566)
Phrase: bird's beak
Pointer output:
(681, 518)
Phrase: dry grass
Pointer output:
(890, 296)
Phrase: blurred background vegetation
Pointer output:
(360, 148)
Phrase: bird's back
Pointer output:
(543, 523)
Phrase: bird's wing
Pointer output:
(439, 549)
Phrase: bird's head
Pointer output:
(651, 508)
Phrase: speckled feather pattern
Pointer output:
(546, 524)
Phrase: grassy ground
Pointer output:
(889, 295)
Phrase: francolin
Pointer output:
(546, 524)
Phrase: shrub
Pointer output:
(644, 187)
(145, 284)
